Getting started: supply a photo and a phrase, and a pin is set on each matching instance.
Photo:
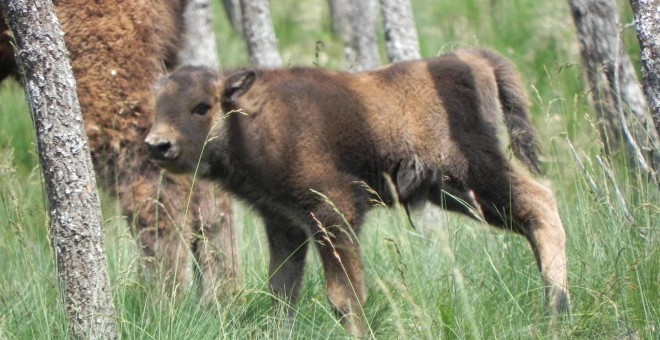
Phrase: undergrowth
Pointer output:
(449, 277)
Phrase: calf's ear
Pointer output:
(237, 85)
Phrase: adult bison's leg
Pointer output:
(335, 221)
(288, 245)
(214, 240)
(157, 208)
(7, 61)
(508, 192)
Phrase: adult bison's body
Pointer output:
(117, 51)
(305, 141)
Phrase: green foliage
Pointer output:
(16, 131)
(449, 278)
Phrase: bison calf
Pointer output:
(304, 141)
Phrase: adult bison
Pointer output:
(300, 144)
(117, 51)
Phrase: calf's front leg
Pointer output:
(288, 246)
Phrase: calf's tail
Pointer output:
(515, 106)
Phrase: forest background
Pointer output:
(450, 277)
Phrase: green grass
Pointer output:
(449, 278)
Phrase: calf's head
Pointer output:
(189, 113)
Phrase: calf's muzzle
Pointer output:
(161, 148)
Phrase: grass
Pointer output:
(450, 278)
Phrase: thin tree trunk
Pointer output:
(73, 202)
(341, 21)
(616, 93)
(647, 20)
(233, 12)
(199, 47)
(213, 267)
(355, 23)
(400, 32)
(363, 50)
(259, 33)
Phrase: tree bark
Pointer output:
(73, 202)
(363, 46)
(233, 12)
(220, 267)
(647, 21)
(199, 47)
(616, 93)
(355, 23)
(341, 22)
(259, 33)
(400, 32)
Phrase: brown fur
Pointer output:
(117, 51)
(7, 64)
(304, 141)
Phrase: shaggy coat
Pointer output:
(309, 148)
(117, 50)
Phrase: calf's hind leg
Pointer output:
(333, 224)
(534, 214)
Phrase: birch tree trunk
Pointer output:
(73, 202)
(199, 47)
(340, 16)
(217, 267)
(400, 32)
(362, 49)
(616, 93)
(233, 12)
(647, 21)
(355, 23)
(259, 33)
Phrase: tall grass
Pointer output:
(448, 278)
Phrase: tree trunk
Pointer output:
(233, 11)
(199, 47)
(341, 21)
(73, 202)
(259, 33)
(214, 267)
(647, 20)
(363, 46)
(615, 91)
(400, 32)
(355, 23)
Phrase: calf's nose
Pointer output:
(160, 148)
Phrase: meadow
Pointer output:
(448, 278)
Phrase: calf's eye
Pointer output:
(201, 109)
